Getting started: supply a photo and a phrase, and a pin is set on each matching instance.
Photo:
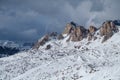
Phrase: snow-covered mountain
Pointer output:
(66, 60)
(6, 43)
(12, 44)
(8, 48)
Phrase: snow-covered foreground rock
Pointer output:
(90, 60)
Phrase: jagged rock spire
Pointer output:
(107, 30)
(91, 32)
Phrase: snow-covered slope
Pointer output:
(84, 60)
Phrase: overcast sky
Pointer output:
(28, 20)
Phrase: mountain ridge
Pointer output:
(78, 33)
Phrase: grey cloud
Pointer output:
(97, 5)
(30, 19)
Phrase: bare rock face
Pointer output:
(44, 39)
(107, 30)
(41, 42)
(92, 29)
(91, 32)
(68, 28)
(77, 33)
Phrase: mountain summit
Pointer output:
(76, 33)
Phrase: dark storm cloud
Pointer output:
(27, 20)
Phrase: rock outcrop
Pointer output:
(41, 42)
(68, 28)
(107, 30)
(76, 33)
(91, 32)
(44, 39)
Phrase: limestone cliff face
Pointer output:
(76, 33)
(107, 30)
(92, 29)
(91, 32)
(68, 28)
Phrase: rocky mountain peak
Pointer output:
(77, 33)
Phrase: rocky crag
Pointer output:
(78, 33)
